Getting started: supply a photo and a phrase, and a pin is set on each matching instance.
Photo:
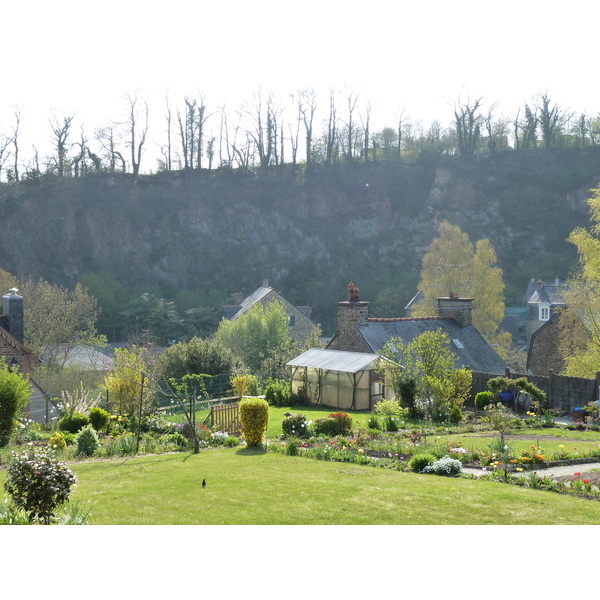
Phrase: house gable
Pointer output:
(299, 322)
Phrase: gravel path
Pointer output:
(550, 471)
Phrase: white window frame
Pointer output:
(544, 313)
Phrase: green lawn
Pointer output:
(276, 416)
(253, 487)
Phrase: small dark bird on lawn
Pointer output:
(204, 483)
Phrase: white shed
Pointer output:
(345, 380)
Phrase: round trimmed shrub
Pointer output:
(87, 441)
(456, 415)
(231, 442)
(99, 418)
(325, 427)
(73, 423)
(419, 461)
(58, 440)
(483, 399)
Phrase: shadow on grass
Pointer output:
(254, 451)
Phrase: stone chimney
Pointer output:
(239, 298)
(454, 306)
(350, 313)
(265, 283)
(12, 309)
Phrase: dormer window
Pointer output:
(291, 320)
(544, 312)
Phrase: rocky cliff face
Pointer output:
(308, 233)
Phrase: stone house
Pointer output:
(17, 355)
(299, 317)
(544, 300)
(544, 353)
(357, 332)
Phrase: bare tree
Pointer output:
(365, 121)
(352, 100)
(552, 121)
(4, 152)
(167, 151)
(109, 138)
(307, 106)
(80, 166)
(192, 132)
(401, 125)
(15, 142)
(137, 129)
(294, 135)
(61, 129)
(262, 115)
(467, 120)
(525, 129)
(331, 133)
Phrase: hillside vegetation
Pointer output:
(204, 235)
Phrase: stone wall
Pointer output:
(544, 349)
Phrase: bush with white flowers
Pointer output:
(219, 437)
(444, 466)
(295, 426)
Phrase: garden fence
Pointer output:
(225, 416)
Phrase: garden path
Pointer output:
(553, 472)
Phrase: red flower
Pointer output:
(577, 474)
(586, 481)
(331, 442)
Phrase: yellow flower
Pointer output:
(361, 450)
(519, 469)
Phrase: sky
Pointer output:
(65, 58)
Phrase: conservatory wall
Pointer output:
(337, 389)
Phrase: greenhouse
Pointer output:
(345, 380)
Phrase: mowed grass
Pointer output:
(252, 487)
(277, 416)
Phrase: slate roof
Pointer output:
(234, 311)
(551, 293)
(251, 300)
(476, 354)
(334, 360)
(414, 300)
